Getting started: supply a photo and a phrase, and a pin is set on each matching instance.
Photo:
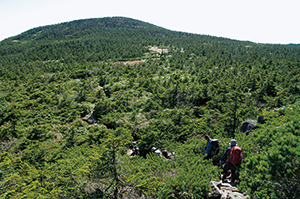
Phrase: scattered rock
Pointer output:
(90, 118)
(159, 50)
(221, 190)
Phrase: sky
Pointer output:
(259, 21)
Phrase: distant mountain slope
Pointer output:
(81, 28)
(119, 38)
(78, 39)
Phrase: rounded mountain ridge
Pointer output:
(84, 27)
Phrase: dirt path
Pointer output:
(160, 50)
(130, 62)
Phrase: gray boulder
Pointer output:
(249, 125)
(90, 118)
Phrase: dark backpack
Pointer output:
(215, 146)
(136, 151)
(165, 153)
(235, 156)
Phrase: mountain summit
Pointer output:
(93, 39)
(84, 27)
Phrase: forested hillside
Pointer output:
(54, 77)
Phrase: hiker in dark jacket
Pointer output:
(225, 156)
(166, 154)
(229, 166)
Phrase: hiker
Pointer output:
(136, 150)
(156, 151)
(232, 158)
(212, 147)
(166, 154)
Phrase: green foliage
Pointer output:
(189, 178)
(271, 168)
(52, 77)
(80, 74)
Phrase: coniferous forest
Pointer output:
(76, 95)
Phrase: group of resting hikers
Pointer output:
(157, 151)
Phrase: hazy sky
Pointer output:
(261, 21)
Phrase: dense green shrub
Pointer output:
(53, 76)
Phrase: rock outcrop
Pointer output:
(221, 190)
(249, 125)
(90, 118)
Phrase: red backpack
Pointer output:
(235, 155)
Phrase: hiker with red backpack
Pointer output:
(232, 158)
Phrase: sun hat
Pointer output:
(206, 136)
(232, 142)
